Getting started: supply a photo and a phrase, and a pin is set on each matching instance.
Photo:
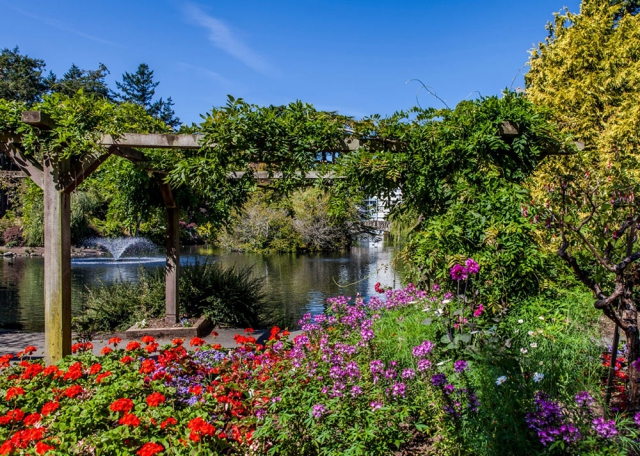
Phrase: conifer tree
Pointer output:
(140, 88)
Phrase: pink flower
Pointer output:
(472, 266)
(478, 311)
(459, 272)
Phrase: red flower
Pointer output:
(114, 341)
(197, 390)
(81, 347)
(249, 330)
(148, 339)
(102, 376)
(152, 347)
(42, 448)
(106, 350)
(54, 371)
(155, 399)
(32, 419)
(95, 368)
(5, 360)
(148, 366)
(214, 334)
(49, 408)
(12, 415)
(149, 449)
(14, 391)
(30, 349)
(217, 346)
(199, 428)
(129, 419)
(74, 372)
(133, 345)
(274, 333)
(32, 371)
(126, 360)
(121, 405)
(7, 447)
(168, 422)
(197, 342)
(73, 391)
(177, 342)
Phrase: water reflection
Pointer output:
(298, 283)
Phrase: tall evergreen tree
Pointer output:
(21, 77)
(140, 88)
(91, 81)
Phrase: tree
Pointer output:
(139, 88)
(588, 72)
(90, 81)
(21, 77)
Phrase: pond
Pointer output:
(298, 283)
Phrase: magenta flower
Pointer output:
(460, 366)
(472, 266)
(478, 311)
(459, 272)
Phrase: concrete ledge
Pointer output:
(201, 328)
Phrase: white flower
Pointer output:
(534, 345)
(541, 317)
(537, 377)
(531, 333)
(501, 380)
(521, 321)
(523, 351)
(446, 301)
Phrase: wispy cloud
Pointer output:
(206, 72)
(221, 37)
(61, 26)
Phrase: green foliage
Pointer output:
(91, 82)
(463, 183)
(228, 296)
(21, 77)
(300, 221)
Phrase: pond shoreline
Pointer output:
(76, 252)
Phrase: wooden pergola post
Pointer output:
(172, 268)
(57, 262)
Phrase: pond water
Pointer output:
(299, 283)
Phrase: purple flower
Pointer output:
(459, 272)
(398, 389)
(472, 266)
(636, 418)
(408, 373)
(318, 411)
(376, 366)
(460, 366)
(448, 389)
(375, 405)
(423, 349)
(583, 399)
(438, 379)
(356, 390)
(424, 364)
(605, 429)
(390, 374)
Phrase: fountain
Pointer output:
(123, 250)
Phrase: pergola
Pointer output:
(59, 179)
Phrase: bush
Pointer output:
(12, 237)
(227, 296)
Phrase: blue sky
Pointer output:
(354, 57)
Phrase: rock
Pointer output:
(9, 255)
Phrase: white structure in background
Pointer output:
(378, 208)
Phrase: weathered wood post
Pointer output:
(57, 262)
(172, 268)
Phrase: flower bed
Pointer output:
(407, 368)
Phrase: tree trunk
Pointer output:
(633, 345)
